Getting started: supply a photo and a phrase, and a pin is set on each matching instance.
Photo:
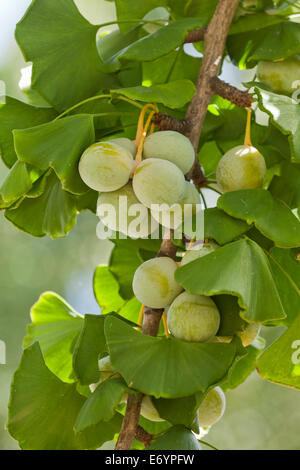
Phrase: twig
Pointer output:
(130, 422)
(214, 44)
(231, 93)
(215, 38)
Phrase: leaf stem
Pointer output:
(207, 444)
(95, 98)
(203, 198)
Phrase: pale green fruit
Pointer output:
(158, 181)
(212, 408)
(197, 251)
(126, 144)
(148, 410)
(121, 211)
(242, 167)
(249, 333)
(105, 166)
(193, 318)
(154, 284)
(171, 146)
(106, 368)
(172, 217)
(280, 76)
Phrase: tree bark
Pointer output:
(214, 42)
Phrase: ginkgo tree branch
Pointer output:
(214, 42)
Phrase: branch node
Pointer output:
(196, 35)
(164, 122)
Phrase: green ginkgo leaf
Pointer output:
(17, 115)
(90, 344)
(242, 269)
(150, 365)
(154, 45)
(221, 227)
(284, 114)
(286, 273)
(106, 290)
(271, 216)
(280, 362)
(174, 94)
(176, 438)
(18, 182)
(101, 405)
(43, 410)
(242, 369)
(179, 410)
(56, 326)
(58, 145)
(67, 44)
(46, 210)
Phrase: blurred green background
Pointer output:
(259, 415)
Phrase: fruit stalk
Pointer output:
(215, 39)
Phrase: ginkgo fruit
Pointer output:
(173, 216)
(171, 146)
(158, 181)
(126, 144)
(249, 333)
(105, 166)
(106, 368)
(148, 410)
(197, 251)
(242, 167)
(212, 408)
(281, 76)
(121, 211)
(193, 318)
(154, 283)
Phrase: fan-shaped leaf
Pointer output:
(280, 362)
(242, 269)
(173, 94)
(285, 115)
(17, 115)
(56, 326)
(90, 344)
(179, 410)
(43, 410)
(271, 216)
(154, 45)
(151, 365)
(18, 182)
(46, 210)
(55, 37)
(176, 438)
(221, 227)
(58, 145)
(286, 273)
(101, 405)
